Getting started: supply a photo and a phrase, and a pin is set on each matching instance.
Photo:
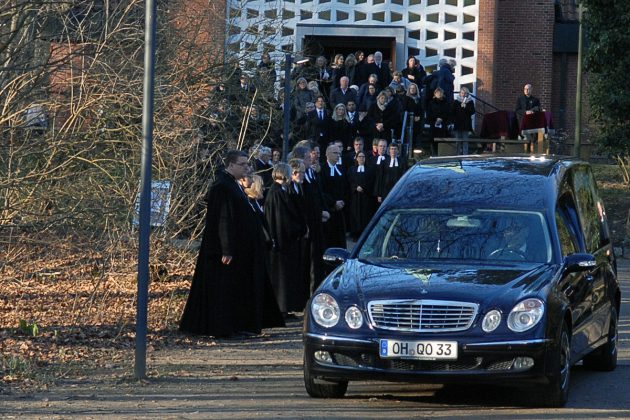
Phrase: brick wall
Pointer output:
(486, 50)
(203, 23)
(524, 51)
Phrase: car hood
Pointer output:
(465, 283)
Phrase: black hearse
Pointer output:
(474, 269)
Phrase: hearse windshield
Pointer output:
(459, 235)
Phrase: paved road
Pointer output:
(262, 378)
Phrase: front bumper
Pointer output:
(480, 362)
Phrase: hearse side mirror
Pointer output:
(579, 262)
(336, 256)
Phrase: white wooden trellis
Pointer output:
(434, 28)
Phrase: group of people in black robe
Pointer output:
(267, 227)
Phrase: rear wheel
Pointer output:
(605, 357)
(318, 388)
(556, 393)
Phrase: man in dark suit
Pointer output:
(356, 123)
(380, 69)
(342, 94)
(318, 122)
(527, 103)
(351, 155)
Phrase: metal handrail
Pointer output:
(478, 99)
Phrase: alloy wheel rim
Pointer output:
(613, 335)
(565, 357)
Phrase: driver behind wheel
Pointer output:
(515, 238)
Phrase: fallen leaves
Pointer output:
(84, 307)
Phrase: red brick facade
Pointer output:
(522, 51)
(515, 47)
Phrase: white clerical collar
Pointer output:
(307, 175)
(296, 188)
(393, 162)
(333, 169)
(379, 159)
(360, 168)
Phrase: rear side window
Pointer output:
(568, 241)
(588, 206)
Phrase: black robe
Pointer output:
(264, 170)
(362, 204)
(225, 299)
(271, 312)
(314, 199)
(386, 176)
(287, 225)
(335, 188)
(341, 130)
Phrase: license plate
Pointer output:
(419, 350)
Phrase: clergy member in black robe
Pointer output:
(388, 173)
(225, 279)
(272, 317)
(316, 212)
(334, 187)
(297, 196)
(287, 227)
(362, 201)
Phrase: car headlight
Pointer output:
(526, 315)
(354, 317)
(491, 321)
(325, 310)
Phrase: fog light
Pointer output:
(523, 363)
(323, 356)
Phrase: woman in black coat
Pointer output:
(462, 111)
(362, 202)
(267, 305)
(438, 115)
(366, 101)
(340, 128)
(414, 72)
(388, 173)
(412, 102)
(287, 225)
(384, 117)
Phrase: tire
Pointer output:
(605, 358)
(323, 389)
(556, 393)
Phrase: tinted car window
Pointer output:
(585, 196)
(568, 242)
(447, 234)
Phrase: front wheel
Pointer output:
(318, 388)
(605, 358)
(556, 393)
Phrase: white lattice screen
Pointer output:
(434, 28)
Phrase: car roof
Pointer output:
(518, 182)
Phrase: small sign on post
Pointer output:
(160, 203)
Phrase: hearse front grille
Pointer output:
(422, 315)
